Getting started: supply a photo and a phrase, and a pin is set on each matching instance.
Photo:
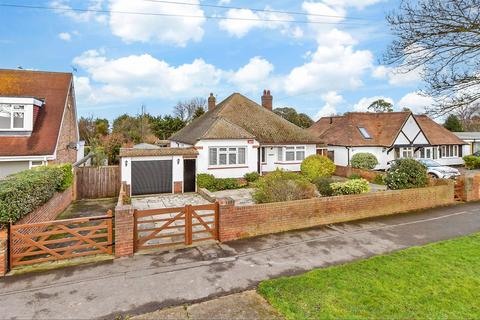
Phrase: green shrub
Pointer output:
(283, 186)
(252, 176)
(472, 162)
(206, 181)
(23, 192)
(364, 160)
(379, 179)
(406, 174)
(354, 176)
(315, 166)
(323, 185)
(355, 186)
(209, 182)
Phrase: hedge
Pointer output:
(472, 162)
(315, 166)
(354, 186)
(406, 174)
(23, 192)
(364, 160)
(209, 182)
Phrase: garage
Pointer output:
(151, 177)
(149, 169)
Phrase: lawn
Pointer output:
(440, 280)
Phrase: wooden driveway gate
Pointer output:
(158, 228)
(60, 239)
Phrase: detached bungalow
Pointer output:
(38, 121)
(389, 136)
(232, 138)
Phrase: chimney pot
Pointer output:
(211, 102)
(267, 100)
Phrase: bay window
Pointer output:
(226, 156)
(12, 116)
(450, 151)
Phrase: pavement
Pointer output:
(167, 201)
(149, 282)
(242, 197)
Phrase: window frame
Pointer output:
(13, 111)
(295, 149)
(229, 153)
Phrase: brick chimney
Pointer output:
(267, 100)
(211, 102)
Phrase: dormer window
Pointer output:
(364, 133)
(18, 114)
(12, 116)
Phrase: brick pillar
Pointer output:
(177, 187)
(3, 251)
(124, 231)
(226, 206)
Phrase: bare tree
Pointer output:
(469, 116)
(185, 110)
(441, 40)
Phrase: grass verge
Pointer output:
(440, 280)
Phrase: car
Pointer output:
(436, 170)
(476, 153)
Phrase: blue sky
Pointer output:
(321, 68)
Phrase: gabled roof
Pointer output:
(238, 117)
(51, 87)
(382, 127)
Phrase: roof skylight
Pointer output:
(364, 133)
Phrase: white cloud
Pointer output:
(223, 2)
(65, 36)
(396, 77)
(363, 104)
(416, 102)
(172, 30)
(253, 76)
(240, 28)
(359, 4)
(332, 99)
(62, 7)
(335, 65)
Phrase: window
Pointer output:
(263, 155)
(406, 152)
(292, 153)
(449, 151)
(34, 164)
(12, 116)
(223, 156)
(364, 133)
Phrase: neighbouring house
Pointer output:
(232, 138)
(472, 142)
(389, 136)
(38, 121)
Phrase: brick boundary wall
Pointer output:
(255, 220)
(51, 209)
(346, 171)
(468, 188)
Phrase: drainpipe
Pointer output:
(348, 155)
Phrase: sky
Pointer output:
(328, 61)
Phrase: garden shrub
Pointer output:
(251, 176)
(315, 166)
(364, 160)
(406, 174)
(354, 186)
(379, 179)
(354, 176)
(283, 186)
(323, 185)
(209, 182)
(472, 162)
(23, 192)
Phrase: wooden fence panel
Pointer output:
(97, 182)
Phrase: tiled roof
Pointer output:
(382, 127)
(53, 88)
(238, 117)
(134, 152)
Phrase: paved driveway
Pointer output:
(147, 283)
(167, 201)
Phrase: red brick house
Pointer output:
(38, 120)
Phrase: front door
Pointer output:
(189, 175)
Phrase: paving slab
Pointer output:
(239, 306)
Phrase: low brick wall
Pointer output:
(249, 221)
(468, 188)
(343, 171)
(50, 210)
(124, 224)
